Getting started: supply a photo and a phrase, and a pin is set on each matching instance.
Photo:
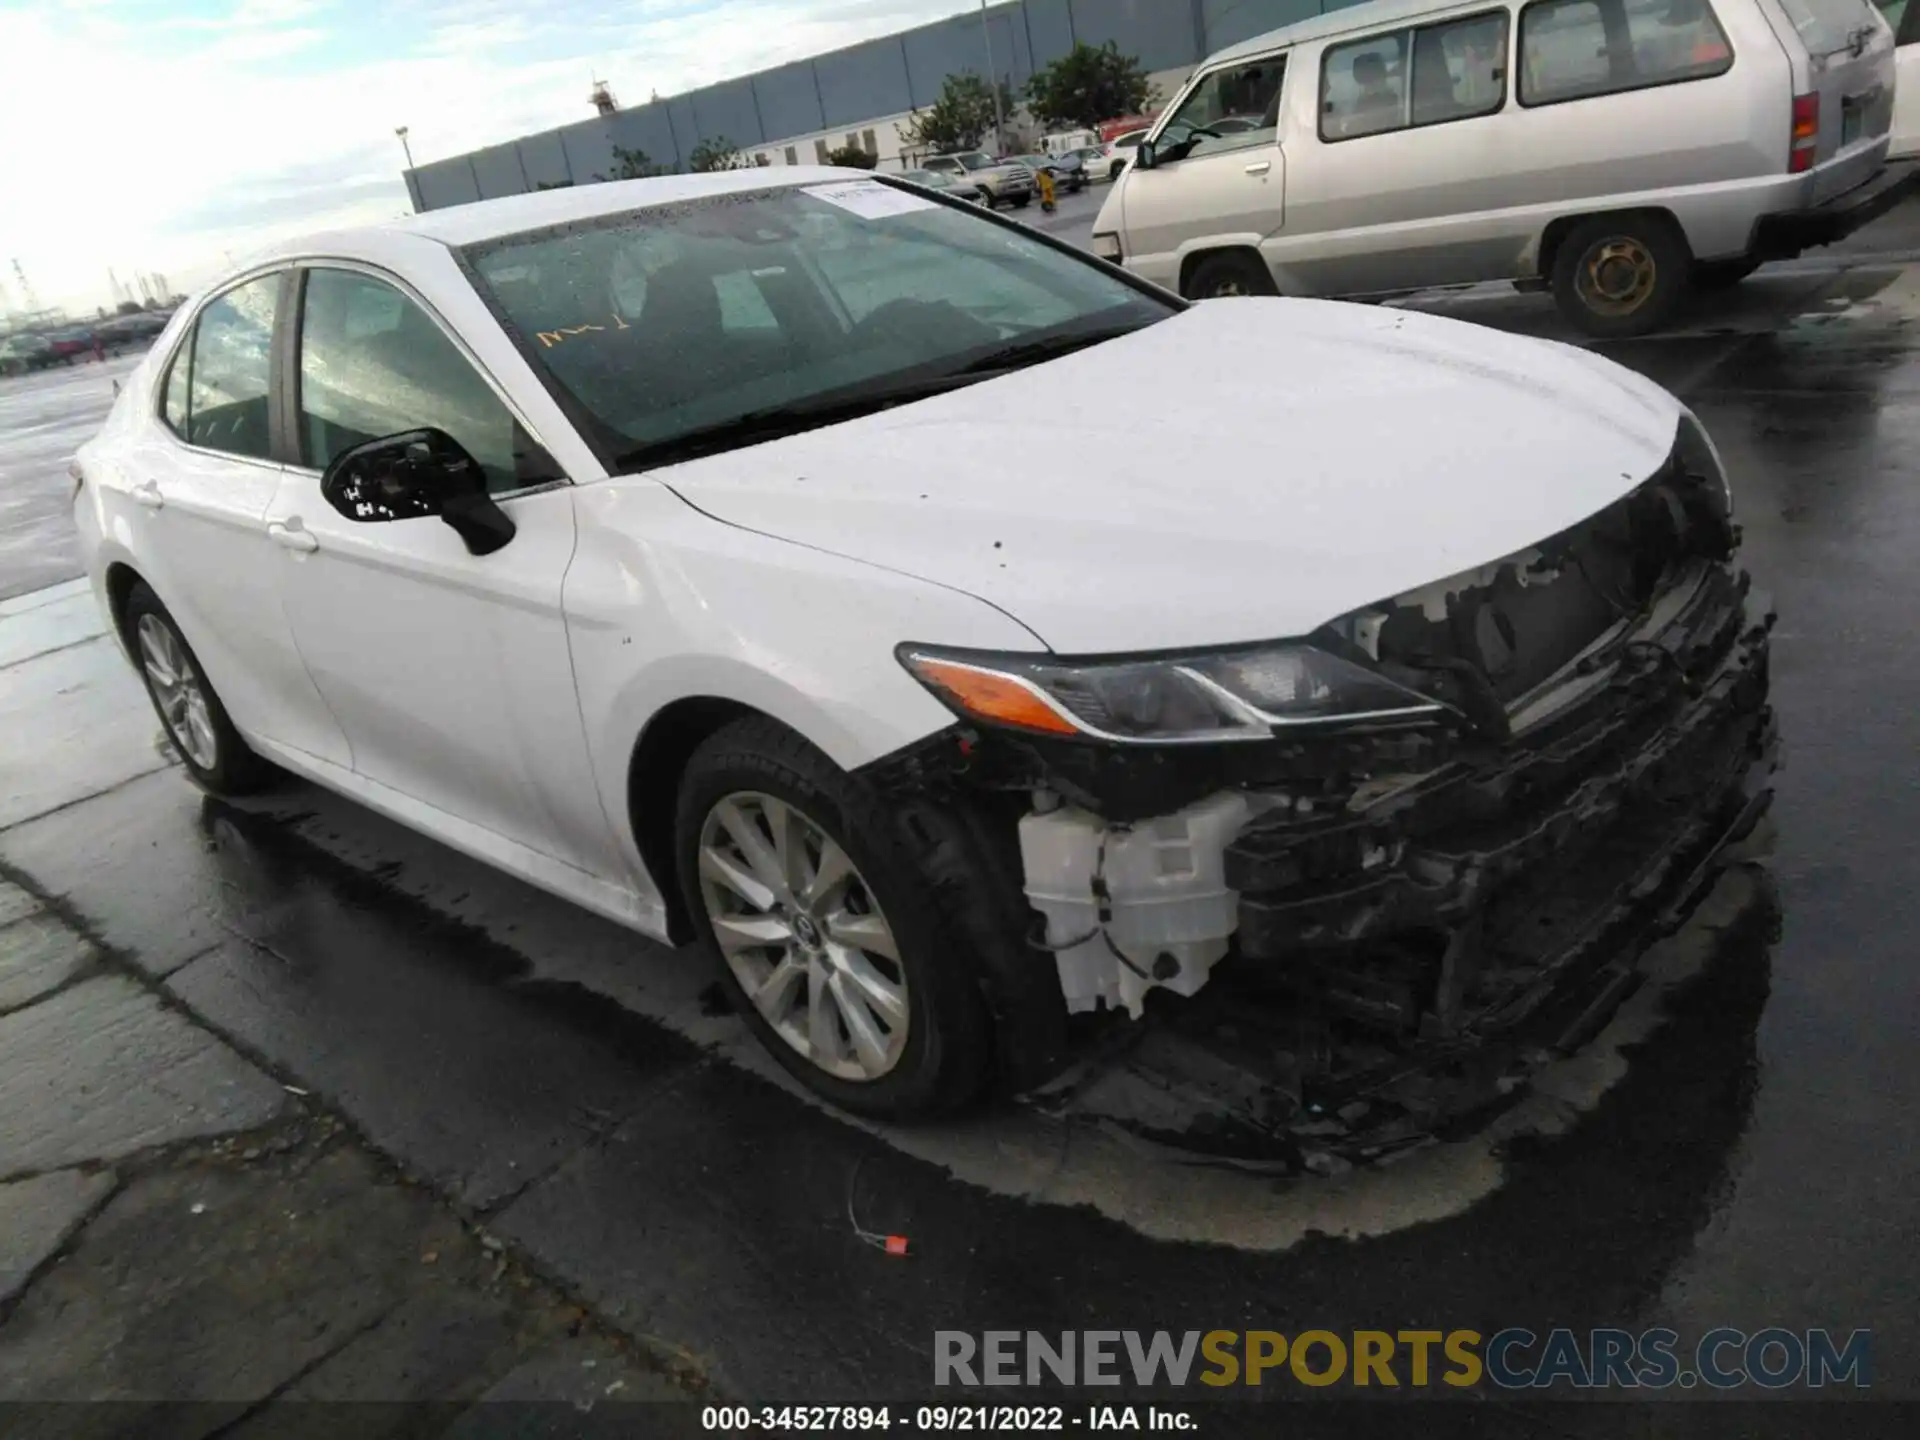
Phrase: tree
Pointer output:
(853, 157)
(718, 153)
(632, 165)
(1088, 85)
(959, 118)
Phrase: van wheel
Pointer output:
(825, 931)
(1617, 276)
(1217, 277)
(1722, 274)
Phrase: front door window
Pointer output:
(1233, 108)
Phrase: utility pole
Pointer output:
(26, 290)
(993, 82)
(405, 148)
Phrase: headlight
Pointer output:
(1227, 695)
(1106, 244)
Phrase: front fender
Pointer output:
(665, 603)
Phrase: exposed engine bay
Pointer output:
(1418, 884)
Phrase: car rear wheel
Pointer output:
(1619, 276)
(824, 932)
(190, 712)
(1219, 277)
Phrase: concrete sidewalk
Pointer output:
(180, 1223)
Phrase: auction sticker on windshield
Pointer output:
(870, 199)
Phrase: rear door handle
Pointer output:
(293, 536)
(1260, 167)
(149, 495)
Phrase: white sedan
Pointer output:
(756, 561)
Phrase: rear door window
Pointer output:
(231, 371)
(1363, 87)
(1460, 68)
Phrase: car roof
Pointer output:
(1334, 22)
(488, 219)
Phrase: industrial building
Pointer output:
(861, 95)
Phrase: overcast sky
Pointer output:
(160, 134)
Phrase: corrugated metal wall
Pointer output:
(856, 85)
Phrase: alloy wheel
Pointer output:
(803, 935)
(177, 691)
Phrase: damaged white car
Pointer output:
(759, 562)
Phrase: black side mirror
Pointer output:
(415, 474)
(1144, 157)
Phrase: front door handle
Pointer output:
(293, 535)
(1260, 167)
(149, 495)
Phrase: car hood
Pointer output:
(1246, 470)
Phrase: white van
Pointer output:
(1618, 151)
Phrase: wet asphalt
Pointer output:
(1754, 1161)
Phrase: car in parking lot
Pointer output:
(754, 560)
(1006, 182)
(1413, 143)
(942, 181)
(1119, 151)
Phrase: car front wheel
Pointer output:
(190, 712)
(825, 933)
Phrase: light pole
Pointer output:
(993, 82)
(401, 131)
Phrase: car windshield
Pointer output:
(685, 329)
(976, 161)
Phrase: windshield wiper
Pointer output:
(778, 421)
(1032, 352)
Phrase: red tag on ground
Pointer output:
(896, 1244)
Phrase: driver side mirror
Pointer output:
(415, 474)
(1145, 157)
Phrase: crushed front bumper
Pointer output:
(1464, 898)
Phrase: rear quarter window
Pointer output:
(1578, 49)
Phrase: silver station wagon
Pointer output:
(1617, 151)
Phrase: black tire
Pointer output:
(989, 199)
(234, 769)
(1722, 274)
(948, 1052)
(1020, 202)
(1230, 273)
(1617, 276)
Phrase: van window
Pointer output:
(1576, 49)
(1825, 26)
(1363, 87)
(1460, 68)
(1230, 109)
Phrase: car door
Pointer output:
(1205, 190)
(1408, 178)
(449, 671)
(201, 486)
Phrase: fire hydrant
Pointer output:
(1044, 179)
